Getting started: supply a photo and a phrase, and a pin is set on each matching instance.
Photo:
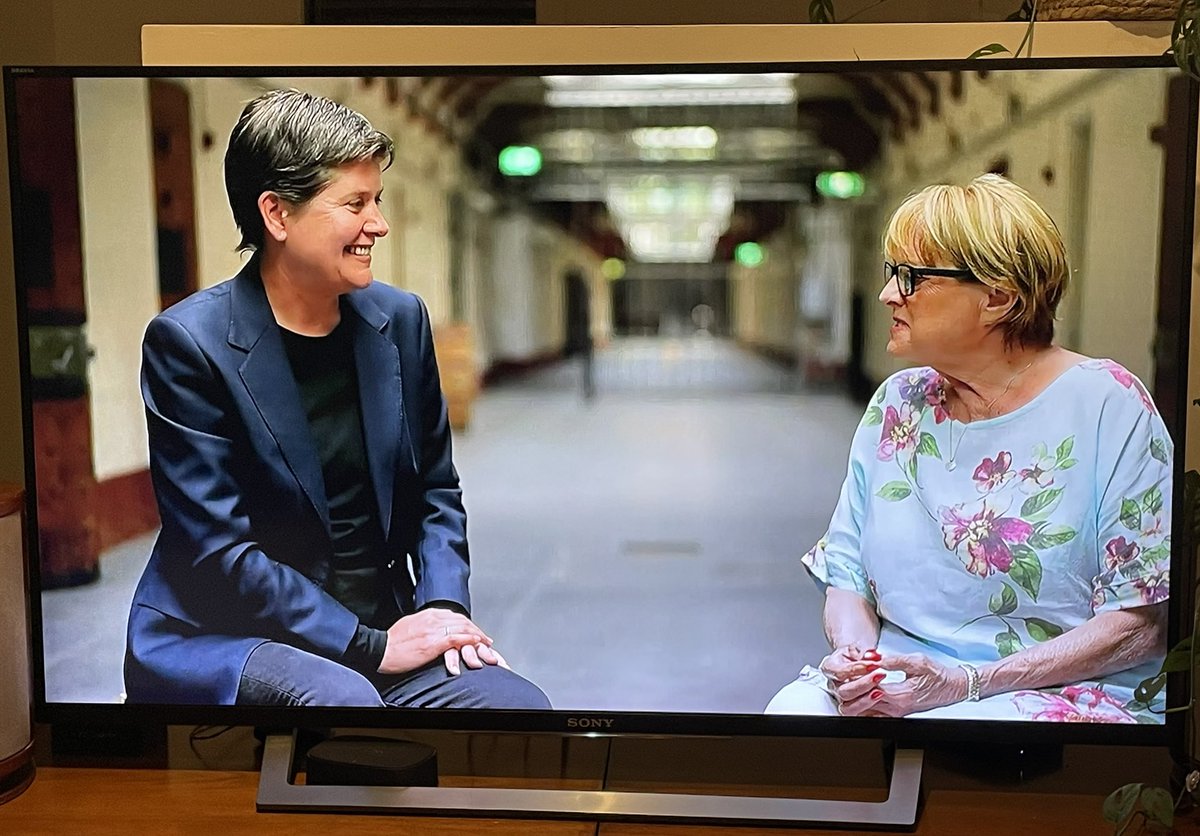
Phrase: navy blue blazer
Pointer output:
(245, 546)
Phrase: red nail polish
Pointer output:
(878, 677)
(876, 694)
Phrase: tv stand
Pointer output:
(278, 792)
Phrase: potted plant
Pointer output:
(1185, 33)
(1146, 807)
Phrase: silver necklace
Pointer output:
(950, 462)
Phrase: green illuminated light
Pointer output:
(840, 184)
(748, 254)
(520, 161)
(612, 269)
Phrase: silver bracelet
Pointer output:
(972, 682)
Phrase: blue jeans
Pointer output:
(279, 674)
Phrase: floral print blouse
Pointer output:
(976, 541)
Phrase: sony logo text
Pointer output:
(589, 723)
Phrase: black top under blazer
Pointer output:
(245, 548)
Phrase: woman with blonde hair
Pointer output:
(1001, 543)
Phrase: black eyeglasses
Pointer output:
(908, 277)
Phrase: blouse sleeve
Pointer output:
(836, 560)
(1133, 516)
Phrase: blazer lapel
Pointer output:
(266, 375)
(381, 398)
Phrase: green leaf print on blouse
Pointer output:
(894, 491)
(1041, 505)
(1003, 602)
(1026, 570)
(1002, 534)
(901, 439)
(1158, 450)
(1041, 630)
(1008, 641)
(1133, 561)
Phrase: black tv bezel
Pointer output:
(555, 721)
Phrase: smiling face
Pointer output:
(328, 240)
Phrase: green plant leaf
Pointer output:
(1028, 37)
(1158, 449)
(1119, 804)
(1066, 464)
(1025, 12)
(1004, 601)
(894, 491)
(1008, 643)
(1191, 502)
(820, 11)
(1064, 450)
(1159, 806)
(873, 417)
(1179, 657)
(1041, 630)
(910, 467)
(1049, 538)
(1148, 689)
(990, 49)
(1026, 570)
(1042, 503)
(1131, 514)
(929, 446)
(1152, 500)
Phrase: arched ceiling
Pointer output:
(749, 161)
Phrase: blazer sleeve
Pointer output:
(215, 564)
(442, 561)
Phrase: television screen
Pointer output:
(773, 399)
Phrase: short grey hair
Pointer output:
(290, 142)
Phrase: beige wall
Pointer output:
(70, 32)
(120, 261)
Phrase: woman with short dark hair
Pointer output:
(313, 547)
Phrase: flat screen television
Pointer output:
(655, 299)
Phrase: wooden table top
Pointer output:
(221, 803)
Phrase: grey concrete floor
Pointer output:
(636, 551)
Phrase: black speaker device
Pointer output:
(355, 760)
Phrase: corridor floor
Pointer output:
(633, 551)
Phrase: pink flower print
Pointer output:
(993, 473)
(1154, 529)
(1035, 478)
(982, 541)
(1123, 376)
(914, 384)
(1076, 704)
(814, 558)
(899, 432)
(1153, 588)
(935, 396)
(1119, 552)
(1040, 473)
